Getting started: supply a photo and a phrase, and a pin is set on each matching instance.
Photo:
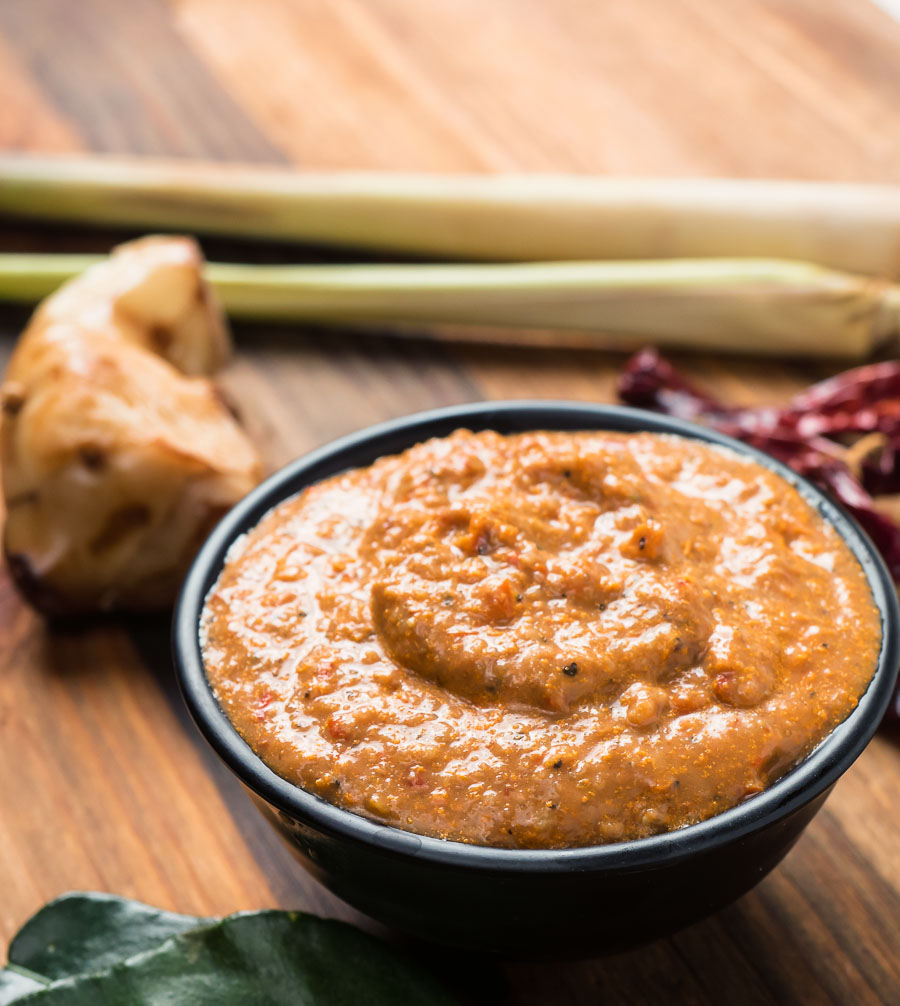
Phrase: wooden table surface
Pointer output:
(104, 784)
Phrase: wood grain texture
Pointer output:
(122, 76)
(103, 782)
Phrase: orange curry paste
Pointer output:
(541, 640)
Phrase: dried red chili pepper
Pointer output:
(805, 434)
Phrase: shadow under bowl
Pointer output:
(594, 900)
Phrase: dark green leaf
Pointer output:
(13, 986)
(82, 933)
(257, 959)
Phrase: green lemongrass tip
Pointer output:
(738, 305)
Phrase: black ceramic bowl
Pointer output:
(591, 900)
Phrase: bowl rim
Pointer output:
(811, 778)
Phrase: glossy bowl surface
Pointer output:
(598, 899)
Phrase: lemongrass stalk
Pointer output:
(504, 217)
(734, 305)
(27, 277)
